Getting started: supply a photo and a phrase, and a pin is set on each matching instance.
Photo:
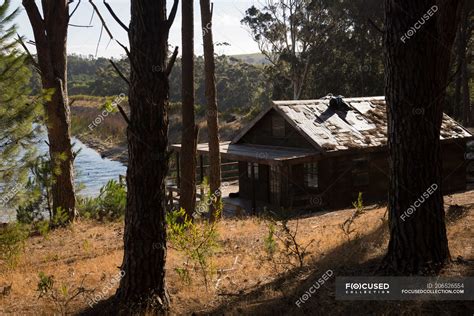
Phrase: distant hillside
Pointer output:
(253, 59)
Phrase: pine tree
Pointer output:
(18, 112)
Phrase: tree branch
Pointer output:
(30, 57)
(37, 23)
(169, 68)
(76, 25)
(115, 16)
(173, 13)
(125, 48)
(101, 19)
(124, 115)
(75, 8)
(119, 72)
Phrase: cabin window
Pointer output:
(311, 175)
(278, 126)
(360, 172)
(253, 165)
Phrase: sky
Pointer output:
(83, 41)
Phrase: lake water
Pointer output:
(92, 172)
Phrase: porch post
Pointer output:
(285, 175)
(201, 167)
(178, 176)
(254, 202)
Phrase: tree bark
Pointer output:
(50, 32)
(143, 284)
(457, 108)
(212, 113)
(187, 198)
(465, 35)
(416, 73)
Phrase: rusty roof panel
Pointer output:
(363, 125)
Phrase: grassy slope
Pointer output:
(256, 285)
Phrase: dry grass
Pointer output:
(254, 285)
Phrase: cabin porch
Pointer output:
(254, 177)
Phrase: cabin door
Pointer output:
(275, 185)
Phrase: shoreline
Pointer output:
(105, 149)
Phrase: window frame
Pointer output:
(361, 170)
(311, 175)
(249, 170)
(275, 184)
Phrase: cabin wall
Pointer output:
(261, 134)
(338, 185)
(454, 164)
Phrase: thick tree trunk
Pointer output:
(465, 35)
(212, 113)
(143, 283)
(60, 150)
(457, 108)
(50, 32)
(189, 131)
(416, 71)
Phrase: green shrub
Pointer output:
(109, 205)
(61, 295)
(60, 218)
(38, 196)
(12, 243)
(198, 242)
(270, 243)
(41, 227)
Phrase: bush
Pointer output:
(12, 242)
(109, 205)
(38, 196)
(198, 242)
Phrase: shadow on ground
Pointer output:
(353, 258)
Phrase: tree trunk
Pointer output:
(50, 32)
(212, 113)
(187, 198)
(465, 34)
(416, 71)
(143, 283)
(457, 108)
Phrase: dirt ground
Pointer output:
(246, 280)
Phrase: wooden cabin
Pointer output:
(322, 153)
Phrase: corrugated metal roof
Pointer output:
(363, 125)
